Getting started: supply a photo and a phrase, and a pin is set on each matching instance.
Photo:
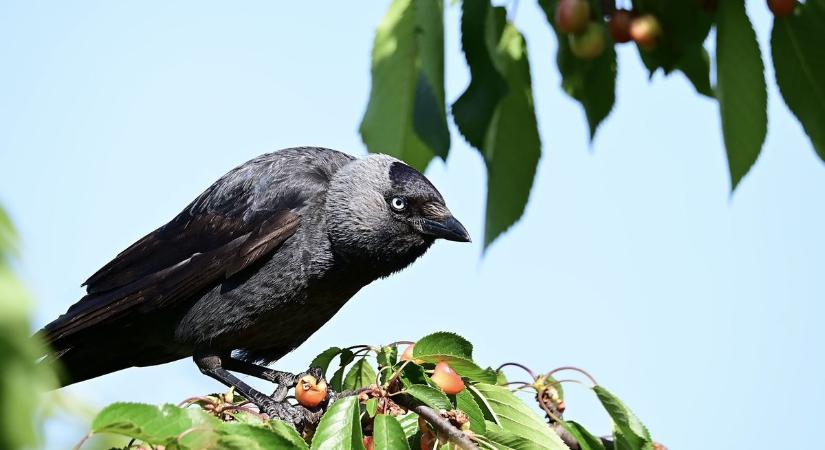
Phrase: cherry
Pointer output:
(408, 353)
(446, 379)
(572, 16)
(427, 441)
(309, 392)
(782, 8)
(619, 25)
(368, 444)
(646, 31)
(590, 44)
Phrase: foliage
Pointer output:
(20, 377)
(489, 411)
(495, 114)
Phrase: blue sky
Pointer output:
(701, 309)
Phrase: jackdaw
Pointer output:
(251, 268)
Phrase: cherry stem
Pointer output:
(396, 374)
(357, 347)
(199, 398)
(526, 369)
(575, 369)
(189, 430)
(82, 441)
(397, 343)
(549, 413)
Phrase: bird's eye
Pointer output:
(398, 203)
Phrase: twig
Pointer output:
(443, 425)
(82, 441)
(573, 443)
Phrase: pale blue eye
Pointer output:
(398, 203)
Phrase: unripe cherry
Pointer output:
(590, 44)
(309, 392)
(572, 16)
(408, 353)
(445, 378)
(646, 31)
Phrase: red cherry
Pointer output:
(646, 31)
(590, 44)
(619, 25)
(427, 441)
(782, 8)
(445, 378)
(309, 392)
(368, 444)
(572, 15)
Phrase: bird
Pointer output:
(251, 268)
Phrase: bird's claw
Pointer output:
(314, 372)
(289, 380)
(296, 415)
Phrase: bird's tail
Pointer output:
(76, 364)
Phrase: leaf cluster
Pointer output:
(380, 415)
(407, 111)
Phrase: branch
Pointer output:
(443, 425)
(573, 443)
(453, 434)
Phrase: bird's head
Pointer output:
(384, 210)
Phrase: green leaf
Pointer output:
(592, 83)
(412, 374)
(429, 396)
(741, 88)
(337, 381)
(287, 432)
(409, 422)
(8, 237)
(798, 51)
(457, 351)
(387, 356)
(465, 402)
(149, 423)
(508, 411)
(585, 439)
(443, 343)
(20, 375)
(505, 440)
(512, 146)
(388, 435)
(243, 436)
(360, 375)
(406, 115)
(695, 64)
(371, 407)
(324, 358)
(624, 420)
(474, 110)
(340, 427)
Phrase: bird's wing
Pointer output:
(240, 219)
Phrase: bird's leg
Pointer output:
(213, 365)
(284, 380)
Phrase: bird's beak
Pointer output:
(449, 228)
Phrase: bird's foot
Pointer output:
(295, 415)
(289, 380)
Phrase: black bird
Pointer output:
(251, 268)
